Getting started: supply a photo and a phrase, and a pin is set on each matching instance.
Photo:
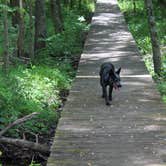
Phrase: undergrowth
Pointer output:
(27, 90)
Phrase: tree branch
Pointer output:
(18, 121)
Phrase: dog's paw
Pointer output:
(108, 103)
(110, 98)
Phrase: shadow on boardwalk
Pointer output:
(132, 131)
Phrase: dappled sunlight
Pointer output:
(134, 83)
(160, 119)
(112, 2)
(152, 128)
(74, 128)
(105, 19)
(145, 100)
(155, 165)
(88, 76)
(136, 76)
(122, 76)
(75, 91)
(145, 162)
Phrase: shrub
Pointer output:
(68, 42)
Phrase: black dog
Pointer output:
(109, 77)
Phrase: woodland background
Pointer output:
(40, 45)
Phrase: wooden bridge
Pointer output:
(130, 132)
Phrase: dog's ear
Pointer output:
(118, 71)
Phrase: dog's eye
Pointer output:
(117, 80)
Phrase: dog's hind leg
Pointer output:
(110, 92)
(105, 95)
(103, 91)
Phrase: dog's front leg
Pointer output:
(103, 91)
(105, 95)
(110, 92)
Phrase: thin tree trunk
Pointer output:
(66, 2)
(15, 14)
(162, 2)
(31, 25)
(6, 40)
(20, 42)
(40, 24)
(56, 16)
(154, 37)
(79, 4)
(71, 4)
(134, 6)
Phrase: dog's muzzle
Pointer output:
(117, 86)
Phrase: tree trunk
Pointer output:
(71, 4)
(21, 142)
(134, 6)
(154, 37)
(6, 41)
(20, 42)
(31, 25)
(15, 14)
(40, 24)
(56, 16)
(66, 2)
(162, 2)
(79, 4)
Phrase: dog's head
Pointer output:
(116, 79)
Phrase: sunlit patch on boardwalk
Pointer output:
(74, 128)
(122, 76)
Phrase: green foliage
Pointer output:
(37, 88)
(127, 6)
(5, 7)
(162, 89)
(28, 90)
(149, 63)
(86, 9)
(164, 64)
(69, 42)
(34, 164)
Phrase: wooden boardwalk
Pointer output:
(130, 132)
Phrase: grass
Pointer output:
(34, 89)
(138, 26)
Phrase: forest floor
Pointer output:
(130, 132)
